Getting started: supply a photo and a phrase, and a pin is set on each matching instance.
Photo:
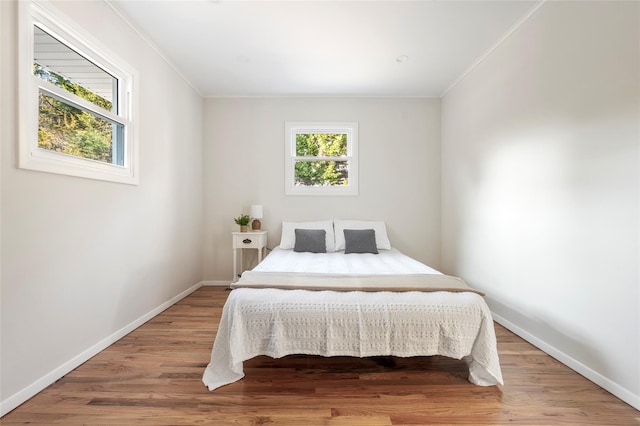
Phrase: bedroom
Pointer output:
(540, 211)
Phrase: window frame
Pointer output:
(294, 128)
(67, 32)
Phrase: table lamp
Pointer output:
(256, 213)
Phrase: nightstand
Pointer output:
(243, 240)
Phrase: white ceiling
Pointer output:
(323, 48)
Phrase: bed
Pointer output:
(375, 301)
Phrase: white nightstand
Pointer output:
(243, 240)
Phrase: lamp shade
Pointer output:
(256, 211)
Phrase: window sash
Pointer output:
(78, 102)
(323, 180)
(117, 134)
(305, 142)
(57, 57)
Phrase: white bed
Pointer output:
(349, 322)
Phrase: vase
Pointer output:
(244, 228)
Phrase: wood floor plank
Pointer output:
(153, 376)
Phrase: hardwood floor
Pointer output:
(153, 376)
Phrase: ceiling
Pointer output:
(323, 48)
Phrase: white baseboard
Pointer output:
(217, 283)
(18, 398)
(597, 378)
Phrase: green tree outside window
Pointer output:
(316, 171)
(70, 130)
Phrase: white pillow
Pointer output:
(382, 240)
(288, 238)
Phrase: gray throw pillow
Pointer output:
(310, 240)
(360, 241)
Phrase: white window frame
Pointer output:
(32, 157)
(294, 128)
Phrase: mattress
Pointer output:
(280, 322)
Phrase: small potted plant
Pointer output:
(243, 220)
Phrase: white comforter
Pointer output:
(388, 262)
(282, 322)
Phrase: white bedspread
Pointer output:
(278, 322)
(387, 262)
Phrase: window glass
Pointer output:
(321, 173)
(69, 130)
(321, 144)
(64, 126)
(58, 64)
(313, 172)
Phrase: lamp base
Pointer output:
(255, 225)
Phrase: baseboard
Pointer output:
(597, 378)
(18, 398)
(216, 283)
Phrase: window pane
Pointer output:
(58, 64)
(321, 144)
(69, 130)
(321, 173)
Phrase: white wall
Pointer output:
(399, 164)
(83, 259)
(540, 186)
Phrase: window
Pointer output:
(75, 100)
(321, 158)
